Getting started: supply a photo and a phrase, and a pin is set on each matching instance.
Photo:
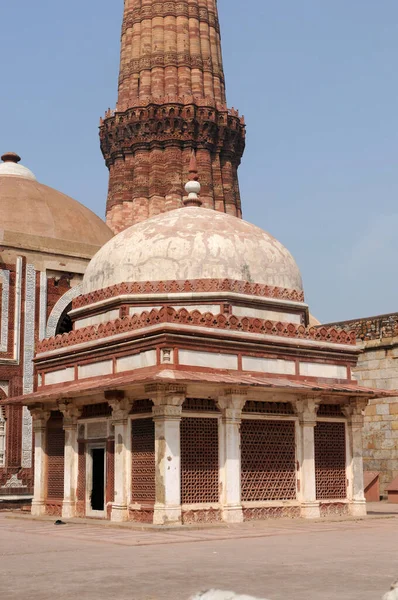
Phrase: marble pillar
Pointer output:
(167, 411)
(231, 405)
(354, 414)
(71, 414)
(39, 420)
(307, 411)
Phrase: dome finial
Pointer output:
(11, 157)
(193, 186)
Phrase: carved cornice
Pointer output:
(195, 319)
(183, 8)
(157, 126)
(170, 59)
(192, 285)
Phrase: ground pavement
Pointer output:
(280, 560)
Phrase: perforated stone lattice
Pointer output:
(91, 411)
(143, 460)
(330, 410)
(330, 461)
(141, 407)
(199, 460)
(269, 408)
(268, 460)
(200, 405)
(55, 458)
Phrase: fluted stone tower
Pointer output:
(171, 101)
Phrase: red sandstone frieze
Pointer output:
(195, 319)
(192, 285)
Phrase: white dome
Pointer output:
(192, 243)
(16, 170)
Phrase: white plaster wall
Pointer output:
(268, 365)
(104, 367)
(60, 376)
(105, 317)
(213, 360)
(320, 370)
(261, 313)
(137, 310)
(136, 361)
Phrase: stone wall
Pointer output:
(378, 368)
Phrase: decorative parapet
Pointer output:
(196, 319)
(155, 122)
(371, 328)
(193, 285)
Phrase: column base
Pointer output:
(358, 508)
(232, 514)
(167, 515)
(310, 510)
(68, 509)
(120, 513)
(38, 508)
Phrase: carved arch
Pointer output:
(60, 307)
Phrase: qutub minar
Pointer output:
(178, 380)
(171, 100)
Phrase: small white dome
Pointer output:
(192, 243)
(10, 167)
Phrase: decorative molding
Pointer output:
(59, 308)
(5, 305)
(188, 286)
(2, 437)
(164, 9)
(17, 311)
(43, 305)
(196, 319)
(28, 354)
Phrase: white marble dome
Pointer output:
(192, 243)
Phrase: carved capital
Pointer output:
(354, 411)
(71, 413)
(231, 405)
(166, 394)
(40, 416)
(307, 409)
(166, 411)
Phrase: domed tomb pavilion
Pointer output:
(47, 240)
(191, 387)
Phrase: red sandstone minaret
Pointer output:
(171, 101)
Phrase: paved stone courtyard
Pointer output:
(347, 560)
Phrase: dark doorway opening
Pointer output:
(97, 494)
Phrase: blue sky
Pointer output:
(316, 81)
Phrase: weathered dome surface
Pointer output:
(192, 243)
(29, 207)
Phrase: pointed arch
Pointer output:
(60, 307)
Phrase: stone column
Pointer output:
(71, 415)
(39, 420)
(167, 410)
(231, 406)
(120, 412)
(307, 411)
(354, 414)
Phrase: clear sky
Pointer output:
(317, 83)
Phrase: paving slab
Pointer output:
(302, 560)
